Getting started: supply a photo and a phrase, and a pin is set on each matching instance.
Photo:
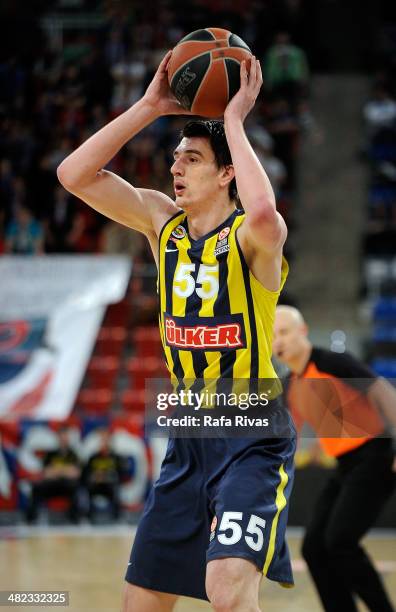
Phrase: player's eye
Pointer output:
(193, 159)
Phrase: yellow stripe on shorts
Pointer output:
(280, 503)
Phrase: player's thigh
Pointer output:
(232, 582)
(137, 599)
(251, 507)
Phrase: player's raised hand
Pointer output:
(242, 103)
(158, 94)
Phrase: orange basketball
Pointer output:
(204, 70)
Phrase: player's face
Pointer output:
(196, 177)
(288, 337)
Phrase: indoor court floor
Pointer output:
(90, 562)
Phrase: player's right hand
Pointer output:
(159, 95)
(244, 100)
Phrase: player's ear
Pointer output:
(226, 175)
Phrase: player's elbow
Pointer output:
(67, 177)
(71, 177)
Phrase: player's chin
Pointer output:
(183, 202)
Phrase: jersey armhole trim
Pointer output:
(284, 271)
(179, 212)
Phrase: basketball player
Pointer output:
(215, 521)
(363, 479)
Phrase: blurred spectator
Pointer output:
(61, 149)
(286, 69)
(379, 114)
(98, 81)
(284, 129)
(274, 167)
(19, 143)
(98, 118)
(128, 78)
(60, 478)
(115, 48)
(24, 235)
(12, 83)
(102, 475)
(6, 190)
(63, 224)
(117, 238)
(380, 111)
(42, 183)
(141, 152)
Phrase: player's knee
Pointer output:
(138, 599)
(131, 598)
(224, 601)
(229, 589)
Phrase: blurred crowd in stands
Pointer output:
(379, 232)
(380, 147)
(92, 62)
(78, 484)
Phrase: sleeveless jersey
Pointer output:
(216, 319)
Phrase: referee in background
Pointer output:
(342, 400)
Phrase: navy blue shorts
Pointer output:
(215, 498)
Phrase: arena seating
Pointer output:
(379, 261)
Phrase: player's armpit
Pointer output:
(144, 210)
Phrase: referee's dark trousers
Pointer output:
(346, 509)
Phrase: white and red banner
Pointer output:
(51, 308)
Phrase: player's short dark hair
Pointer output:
(213, 130)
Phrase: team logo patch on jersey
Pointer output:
(205, 333)
(222, 245)
(179, 232)
(213, 528)
(223, 234)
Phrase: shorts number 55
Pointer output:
(255, 528)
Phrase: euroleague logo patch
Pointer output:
(179, 232)
(213, 528)
(222, 245)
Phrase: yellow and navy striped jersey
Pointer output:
(216, 319)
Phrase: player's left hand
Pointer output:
(242, 103)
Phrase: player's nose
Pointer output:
(177, 168)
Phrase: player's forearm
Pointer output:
(254, 188)
(81, 166)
